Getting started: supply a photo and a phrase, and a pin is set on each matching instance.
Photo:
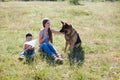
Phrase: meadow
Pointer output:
(98, 24)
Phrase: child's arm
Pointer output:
(28, 47)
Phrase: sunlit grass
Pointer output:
(97, 23)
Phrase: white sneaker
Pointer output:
(22, 56)
(56, 58)
(60, 58)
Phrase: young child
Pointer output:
(29, 47)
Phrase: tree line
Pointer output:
(75, 2)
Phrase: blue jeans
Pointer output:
(29, 53)
(48, 48)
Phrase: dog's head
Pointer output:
(66, 28)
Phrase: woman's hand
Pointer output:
(54, 31)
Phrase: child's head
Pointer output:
(28, 37)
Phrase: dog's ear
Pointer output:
(70, 25)
(66, 24)
(62, 22)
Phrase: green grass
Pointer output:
(97, 23)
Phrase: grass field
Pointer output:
(97, 23)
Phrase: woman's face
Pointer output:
(47, 24)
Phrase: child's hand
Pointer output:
(28, 47)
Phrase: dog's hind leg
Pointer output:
(78, 45)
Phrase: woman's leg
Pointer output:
(46, 49)
(52, 48)
(54, 51)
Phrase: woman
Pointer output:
(45, 40)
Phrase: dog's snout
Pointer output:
(62, 30)
(65, 31)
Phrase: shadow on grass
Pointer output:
(77, 57)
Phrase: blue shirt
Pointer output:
(43, 34)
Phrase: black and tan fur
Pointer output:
(71, 36)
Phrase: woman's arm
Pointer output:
(40, 38)
(54, 31)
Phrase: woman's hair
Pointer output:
(45, 20)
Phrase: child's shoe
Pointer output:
(21, 57)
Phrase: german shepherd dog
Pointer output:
(71, 36)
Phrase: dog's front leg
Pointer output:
(66, 44)
(71, 48)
